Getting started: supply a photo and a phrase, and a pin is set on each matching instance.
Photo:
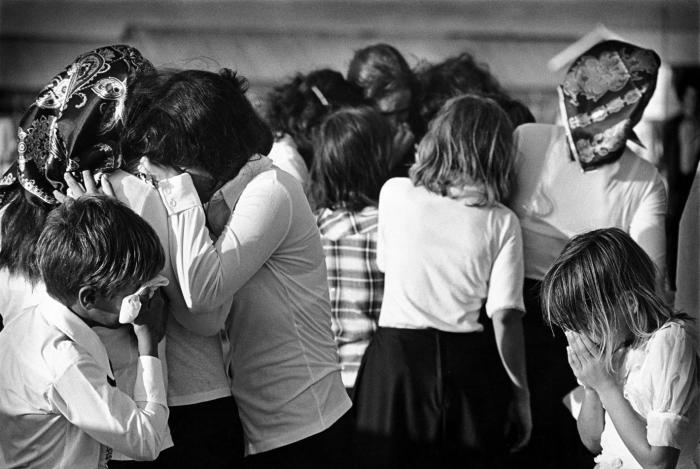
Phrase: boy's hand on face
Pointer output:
(149, 325)
(590, 370)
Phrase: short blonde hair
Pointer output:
(470, 142)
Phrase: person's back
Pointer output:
(432, 390)
(438, 254)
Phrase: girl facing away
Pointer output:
(433, 389)
(635, 356)
(352, 152)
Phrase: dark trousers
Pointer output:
(206, 435)
(333, 448)
(555, 442)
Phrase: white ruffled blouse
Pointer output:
(661, 382)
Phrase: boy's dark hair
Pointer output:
(96, 241)
(20, 227)
(193, 118)
(452, 77)
(352, 151)
(298, 106)
(380, 70)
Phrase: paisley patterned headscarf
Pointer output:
(74, 123)
(603, 97)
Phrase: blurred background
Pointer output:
(526, 44)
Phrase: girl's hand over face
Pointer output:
(587, 368)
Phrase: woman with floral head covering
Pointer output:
(575, 178)
(73, 126)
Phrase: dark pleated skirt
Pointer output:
(428, 398)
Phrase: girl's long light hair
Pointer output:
(469, 143)
(603, 285)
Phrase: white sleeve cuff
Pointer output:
(178, 194)
(666, 429)
(150, 386)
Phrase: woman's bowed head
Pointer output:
(193, 121)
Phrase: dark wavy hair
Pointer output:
(22, 221)
(469, 143)
(452, 77)
(380, 70)
(518, 113)
(298, 106)
(352, 153)
(99, 242)
(193, 118)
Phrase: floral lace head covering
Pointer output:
(603, 97)
(74, 122)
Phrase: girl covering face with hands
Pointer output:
(635, 357)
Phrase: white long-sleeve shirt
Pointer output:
(195, 364)
(59, 404)
(267, 269)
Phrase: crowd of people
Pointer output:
(391, 267)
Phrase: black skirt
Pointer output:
(428, 398)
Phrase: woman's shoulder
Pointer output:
(637, 168)
(400, 183)
(537, 134)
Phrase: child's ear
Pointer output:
(87, 296)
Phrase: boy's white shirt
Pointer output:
(59, 406)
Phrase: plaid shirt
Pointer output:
(355, 283)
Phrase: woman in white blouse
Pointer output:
(571, 179)
(250, 262)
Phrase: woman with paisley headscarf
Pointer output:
(571, 179)
(74, 125)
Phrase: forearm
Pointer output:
(510, 341)
(198, 265)
(591, 421)
(209, 273)
(632, 429)
(133, 427)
